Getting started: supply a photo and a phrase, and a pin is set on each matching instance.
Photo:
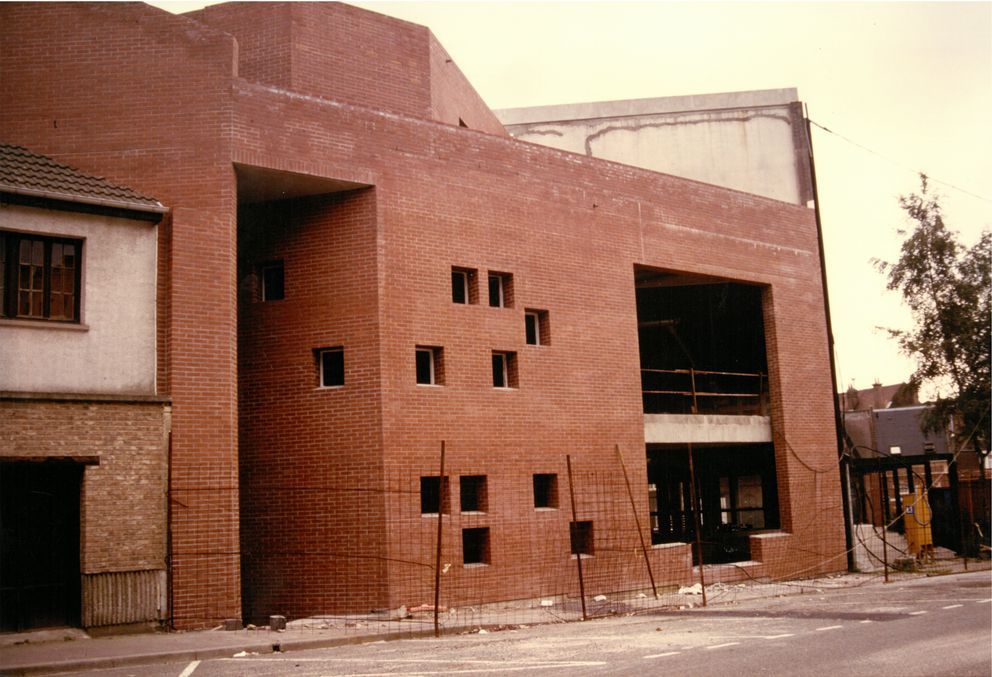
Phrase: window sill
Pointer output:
(433, 514)
(584, 556)
(473, 512)
(545, 509)
(506, 389)
(430, 385)
(44, 324)
(322, 388)
(476, 565)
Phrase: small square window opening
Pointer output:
(464, 287)
(504, 370)
(475, 546)
(501, 290)
(273, 278)
(582, 538)
(434, 496)
(429, 365)
(537, 329)
(473, 493)
(546, 490)
(330, 363)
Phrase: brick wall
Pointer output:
(453, 99)
(311, 457)
(97, 86)
(570, 230)
(130, 441)
(332, 51)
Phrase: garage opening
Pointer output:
(39, 545)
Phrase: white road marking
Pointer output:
(662, 655)
(497, 664)
(952, 606)
(829, 627)
(916, 613)
(787, 634)
(983, 601)
(189, 669)
(720, 646)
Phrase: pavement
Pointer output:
(67, 650)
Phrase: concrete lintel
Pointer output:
(706, 428)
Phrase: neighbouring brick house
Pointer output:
(83, 430)
(362, 263)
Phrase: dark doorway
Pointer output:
(39, 545)
(736, 486)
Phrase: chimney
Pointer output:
(877, 388)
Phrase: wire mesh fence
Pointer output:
(424, 552)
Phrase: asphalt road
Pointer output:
(935, 626)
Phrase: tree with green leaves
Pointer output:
(947, 288)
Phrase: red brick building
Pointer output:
(361, 263)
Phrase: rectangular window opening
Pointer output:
(475, 546)
(500, 290)
(273, 281)
(40, 277)
(464, 286)
(429, 365)
(504, 369)
(434, 496)
(537, 330)
(546, 490)
(582, 538)
(472, 489)
(330, 362)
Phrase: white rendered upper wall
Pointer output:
(750, 141)
(112, 350)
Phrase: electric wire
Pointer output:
(896, 163)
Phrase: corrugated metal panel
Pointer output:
(123, 597)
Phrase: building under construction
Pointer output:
(360, 264)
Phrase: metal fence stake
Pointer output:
(437, 555)
(637, 522)
(578, 555)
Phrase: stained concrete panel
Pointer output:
(705, 429)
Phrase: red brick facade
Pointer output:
(328, 479)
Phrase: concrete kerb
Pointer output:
(188, 655)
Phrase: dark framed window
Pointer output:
(500, 290)
(429, 365)
(472, 489)
(475, 546)
(546, 490)
(330, 363)
(504, 370)
(273, 281)
(40, 277)
(434, 495)
(537, 330)
(582, 538)
(464, 287)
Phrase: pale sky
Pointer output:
(910, 82)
